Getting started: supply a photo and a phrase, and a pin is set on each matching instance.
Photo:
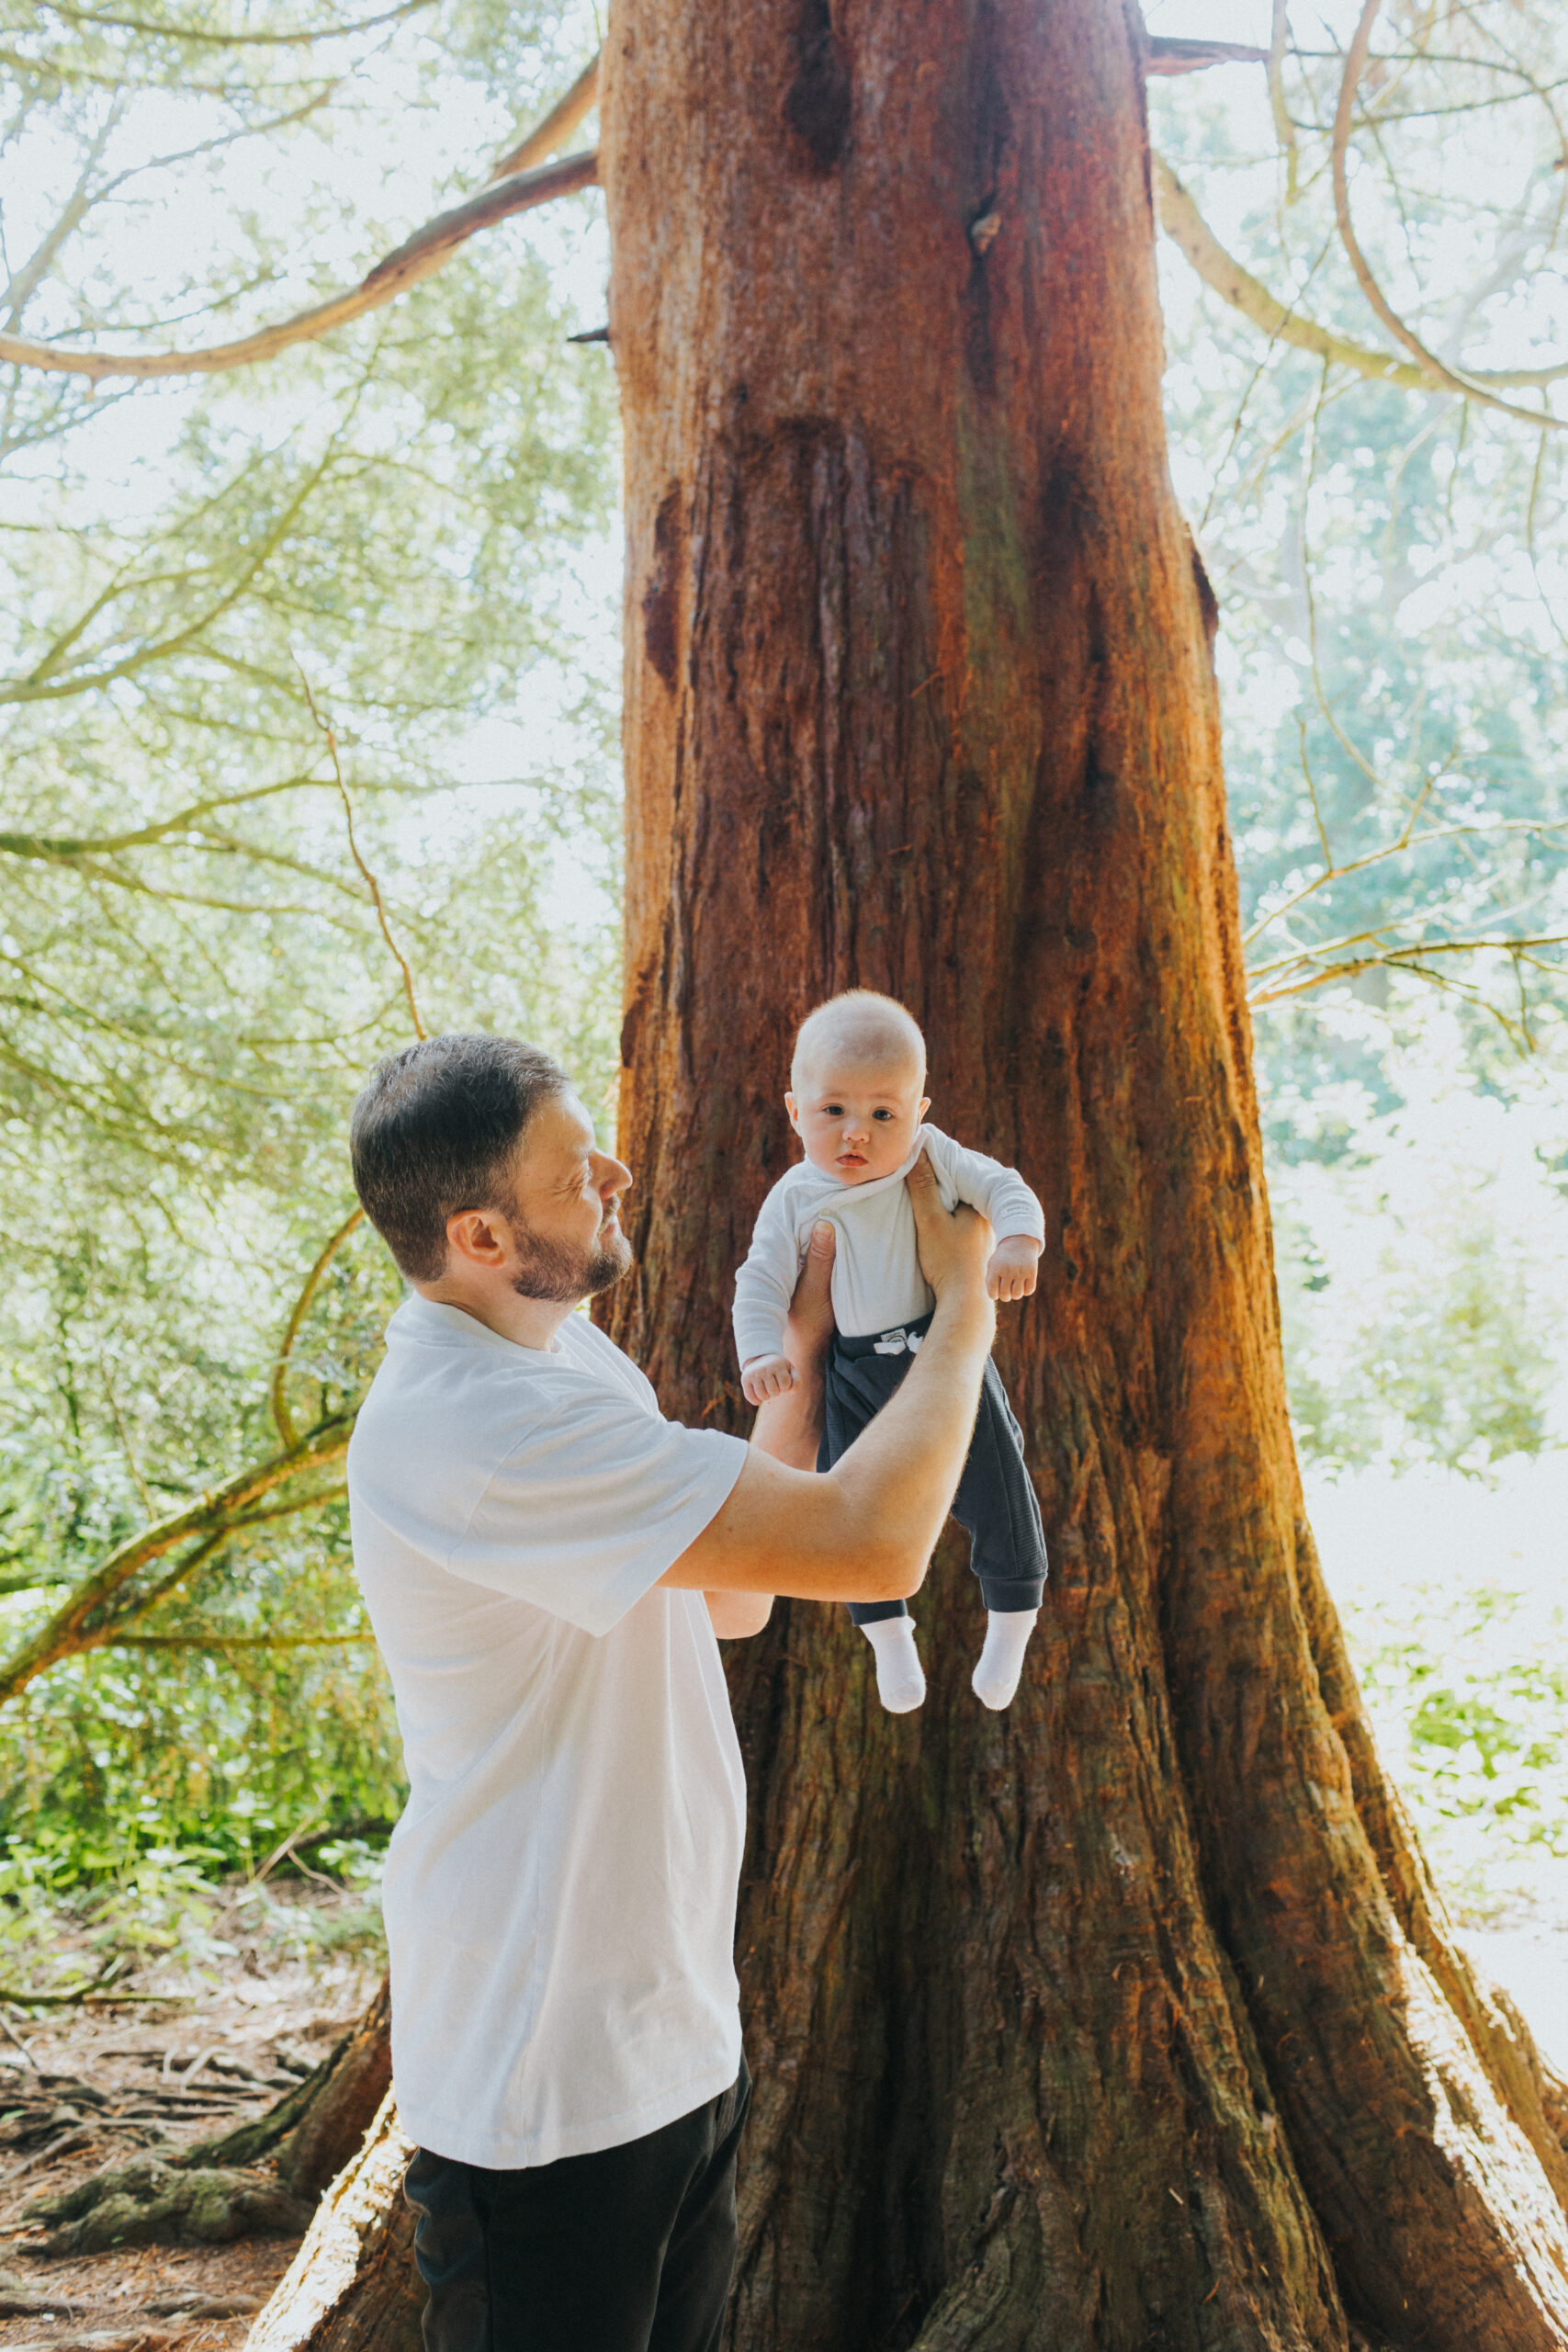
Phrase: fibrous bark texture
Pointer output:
(1128, 2018)
(353, 2287)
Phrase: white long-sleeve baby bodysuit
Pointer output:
(877, 1282)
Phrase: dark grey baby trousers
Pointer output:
(996, 1503)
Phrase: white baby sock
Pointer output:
(900, 1681)
(1001, 1661)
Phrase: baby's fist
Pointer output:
(1010, 1273)
(766, 1376)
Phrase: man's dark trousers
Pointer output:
(631, 2249)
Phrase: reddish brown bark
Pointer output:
(1128, 2018)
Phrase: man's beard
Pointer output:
(564, 1276)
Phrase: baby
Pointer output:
(857, 1103)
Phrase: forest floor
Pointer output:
(167, 2072)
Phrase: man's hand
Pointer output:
(952, 1249)
(810, 1324)
(766, 1376)
(789, 1418)
(1010, 1273)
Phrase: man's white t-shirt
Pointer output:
(560, 1890)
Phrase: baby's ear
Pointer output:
(792, 1107)
(925, 1106)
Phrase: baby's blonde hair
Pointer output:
(862, 1027)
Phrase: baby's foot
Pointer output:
(900, 1681)
(1001, 1661)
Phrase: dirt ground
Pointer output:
(165, 2073)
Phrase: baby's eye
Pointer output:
(882, 1114)
(832, 1109)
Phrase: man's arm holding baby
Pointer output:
(864, 1530)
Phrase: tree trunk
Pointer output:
(312, 2132)
(352, 2287)
(1129, 2018)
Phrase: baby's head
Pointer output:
(857, 1086)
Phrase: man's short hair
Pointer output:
(434, 1133)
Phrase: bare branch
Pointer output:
(78, 204)
(1437, 374)
(233, 40)
(420, 256)
(276, 1396)
(217, 1640)
(63, 849)
(1187, 229)
(1284, 128)
(370, 882)
(1165, 55)
(1406, 959)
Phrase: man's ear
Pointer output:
(473, 1240)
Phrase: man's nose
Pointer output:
(614, 1178)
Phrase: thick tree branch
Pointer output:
(554, 129)
(419, 256)
(85, 1620)
(1190, 233)
(1439, 376)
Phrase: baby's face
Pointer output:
(857, 1120)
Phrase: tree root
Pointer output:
(312, 2133)
(150, 2201)
(213, 2192)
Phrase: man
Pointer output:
(547, 1562)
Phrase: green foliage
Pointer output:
(1469, 1692)
(375, 533)
(227, 1751)
(1393, 600)
(1422, 1255)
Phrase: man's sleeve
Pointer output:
(585, 1515)
(999, 1193)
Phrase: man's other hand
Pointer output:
(810, 1324)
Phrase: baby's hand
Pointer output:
(767, 1376)
(1010, 1273)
